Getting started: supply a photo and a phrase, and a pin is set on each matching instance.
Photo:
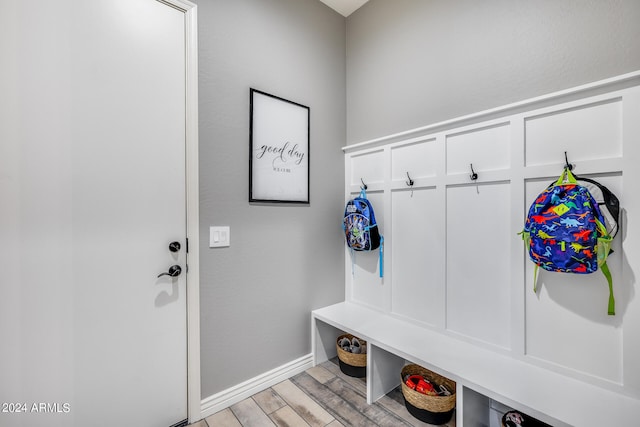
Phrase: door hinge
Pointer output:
(187, 239)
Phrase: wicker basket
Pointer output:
(430, 409)
(354, 365)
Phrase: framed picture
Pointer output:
(278, 150)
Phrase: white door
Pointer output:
(92, 192)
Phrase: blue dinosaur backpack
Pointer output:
(565, 232)
(360, 227)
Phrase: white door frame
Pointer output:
(192, 196)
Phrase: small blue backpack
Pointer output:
(565, 232)
(360, 227)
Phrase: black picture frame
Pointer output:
(279, 133)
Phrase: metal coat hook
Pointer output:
(363, 186)
(567, 165)
(410, 182)
(473, 175)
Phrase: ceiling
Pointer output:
(344, 7)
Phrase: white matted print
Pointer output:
(278, 150)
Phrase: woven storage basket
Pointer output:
(432, 409)
(358, 360)
(354, 365)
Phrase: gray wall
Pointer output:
(411, 63)
(284, 261)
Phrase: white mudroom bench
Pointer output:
(481, 374)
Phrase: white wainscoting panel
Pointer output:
(368, 167)
(417, 255)
(487, 148)
(478, 272)
(419, 159)
(585, 132)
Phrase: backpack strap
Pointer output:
(611, 309)
(535, 278)
(610, 201)
(381, 257)
(526, 238)
(566, 176)
(353, 261)
(604, 249)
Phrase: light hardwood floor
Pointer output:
(321, 396)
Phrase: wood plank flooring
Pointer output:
(321, 396)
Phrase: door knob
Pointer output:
(174, 271)
(174, 246)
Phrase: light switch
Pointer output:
(219, 236)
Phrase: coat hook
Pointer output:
(567, 165)
(473, 175)
(410, 182)
(364, 186)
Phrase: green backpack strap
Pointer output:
(535, 278)
(526, 238)
(604, 248)
(612, 302)
(566, 177)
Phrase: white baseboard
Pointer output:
(219, 401)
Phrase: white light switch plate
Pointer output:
(219, 236)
